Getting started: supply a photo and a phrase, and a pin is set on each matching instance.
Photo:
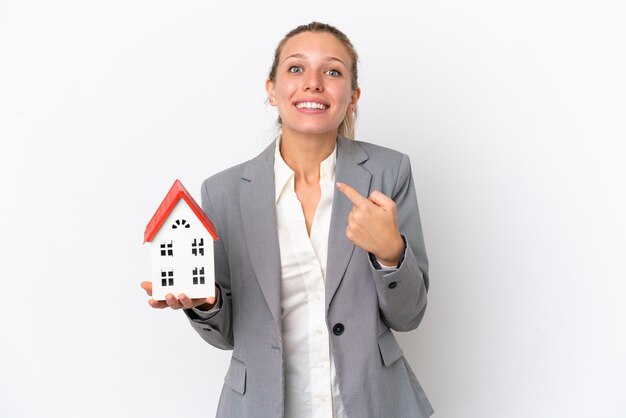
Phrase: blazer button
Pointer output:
(338, 328)
(392, 285)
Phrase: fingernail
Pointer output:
(339, 185)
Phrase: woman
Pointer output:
(311, 275)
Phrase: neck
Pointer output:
(304, 153)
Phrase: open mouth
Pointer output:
(311, 105)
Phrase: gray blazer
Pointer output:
(363, 304)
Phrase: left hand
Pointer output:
(373, 225)
(180, 302)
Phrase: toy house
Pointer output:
(181, 237)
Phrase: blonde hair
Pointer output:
(348, 125)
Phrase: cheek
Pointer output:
(343, 98)
(344, 92)
(285, 87)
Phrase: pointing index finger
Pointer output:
(354, 196)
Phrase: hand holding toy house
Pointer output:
(181, 237)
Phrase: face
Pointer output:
(312, 87)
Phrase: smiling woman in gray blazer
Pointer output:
(286, 231)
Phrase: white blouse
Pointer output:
(311, 388)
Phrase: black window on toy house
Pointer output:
(167, 278)
(167, 248)
(197, 246)
(180, 223)
(198, 275)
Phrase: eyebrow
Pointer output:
(302, 56)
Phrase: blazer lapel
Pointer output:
(258, 212)
(348, 170)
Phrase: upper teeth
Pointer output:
(310, 105)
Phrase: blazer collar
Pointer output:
(258, 211)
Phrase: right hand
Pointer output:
(182, 302)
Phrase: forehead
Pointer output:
(316, 45)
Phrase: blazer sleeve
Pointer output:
(402, 293)
(217, 329)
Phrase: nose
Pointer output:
(313, 82)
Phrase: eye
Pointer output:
(333, 73)
(295, 69)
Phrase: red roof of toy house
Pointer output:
(173, 196)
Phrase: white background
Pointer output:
(513, 116)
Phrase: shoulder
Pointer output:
(391, 165)
(380, 153)
(373, 156)
(224, 181)
(228, 181)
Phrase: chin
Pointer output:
(313, 130)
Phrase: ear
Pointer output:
(354, 98)
(270, 87)
(356, 93)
